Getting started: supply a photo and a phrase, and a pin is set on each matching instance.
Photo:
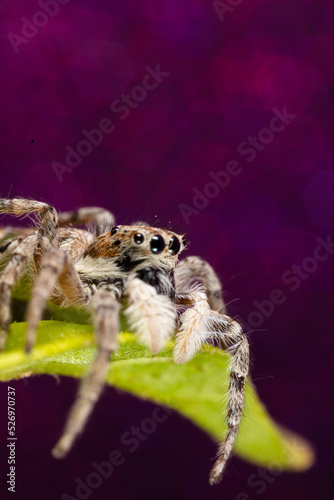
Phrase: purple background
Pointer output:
(225, 78)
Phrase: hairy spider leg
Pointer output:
(15, 253)
(193, 269)
(103, 220)
(105, 309)
(57, 268)
(199, 324)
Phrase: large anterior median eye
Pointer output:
(157, 243)
(174, 245)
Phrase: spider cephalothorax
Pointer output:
(150, 253)
(135, 267)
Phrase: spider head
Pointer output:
(141, 245)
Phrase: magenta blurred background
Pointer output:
(245, 86)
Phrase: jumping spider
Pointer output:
(100, 270)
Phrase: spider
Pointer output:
(105, 268)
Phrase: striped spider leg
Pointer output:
(200, 324)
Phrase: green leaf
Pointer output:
(195, 389)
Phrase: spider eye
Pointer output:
(157, 243)
(114, 230)
(174, 245)
(138, 238)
